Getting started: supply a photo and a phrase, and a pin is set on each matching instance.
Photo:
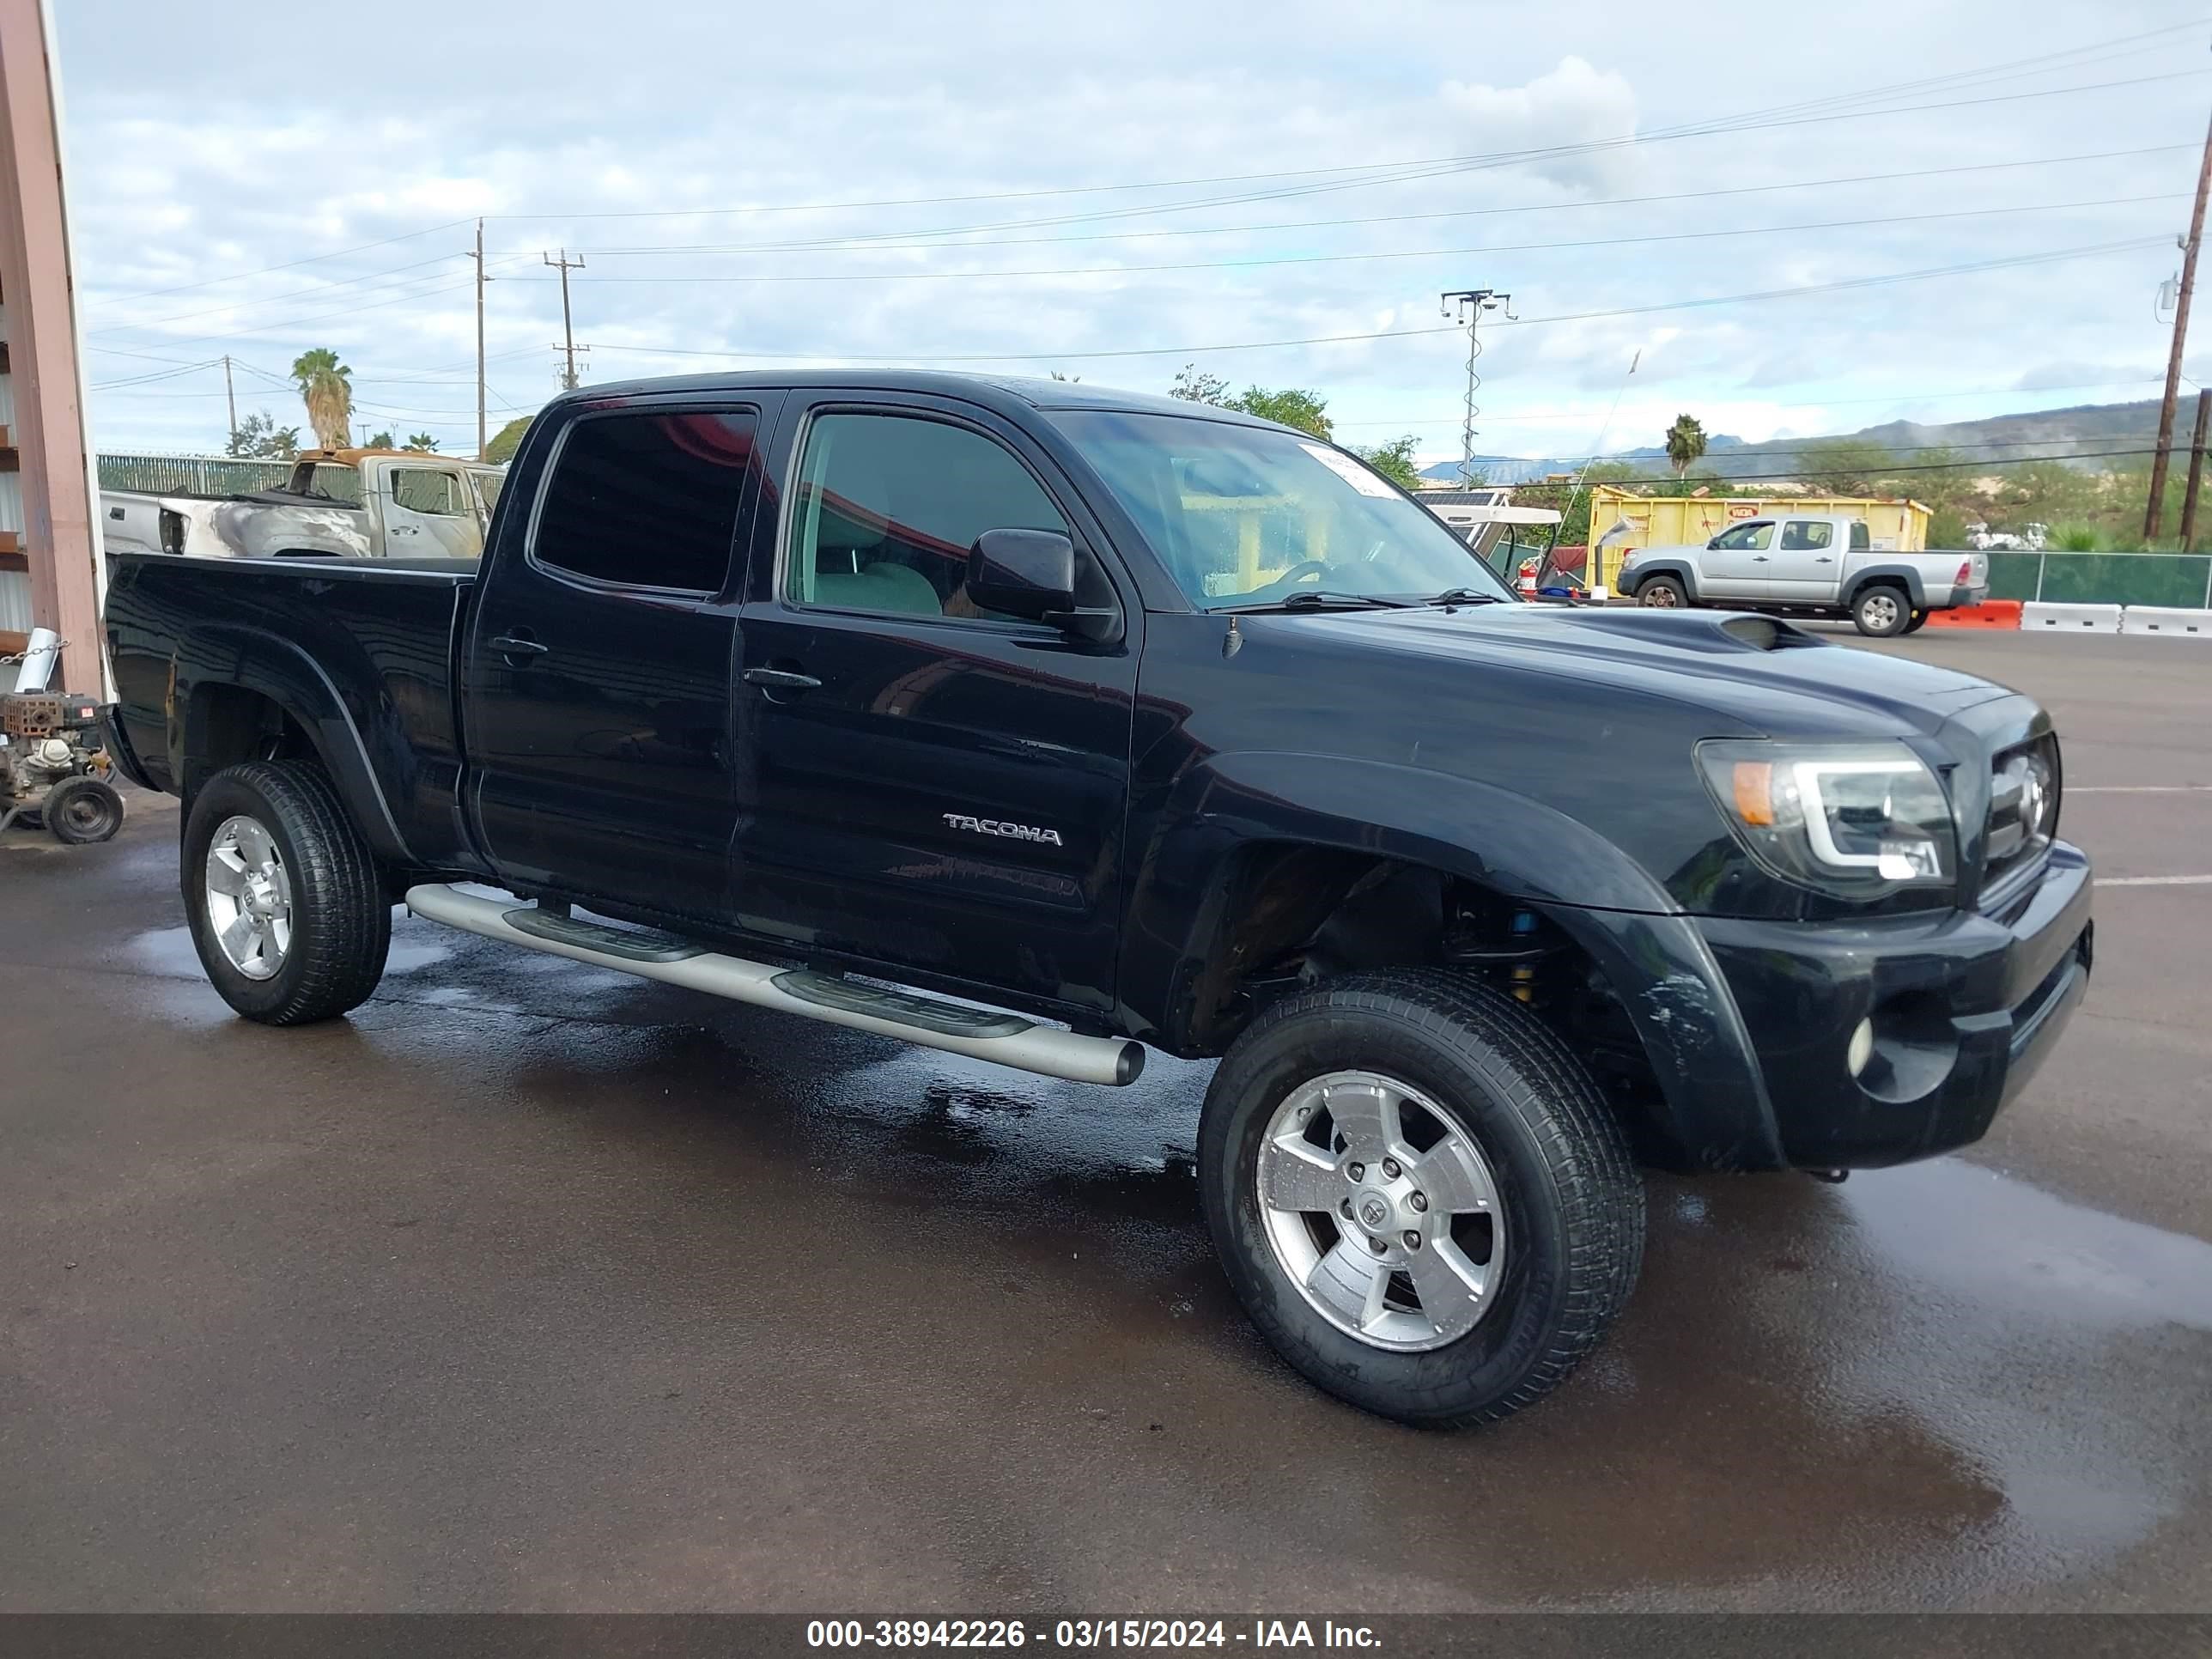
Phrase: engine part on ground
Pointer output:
(52, 766)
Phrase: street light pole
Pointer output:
(1469, 304)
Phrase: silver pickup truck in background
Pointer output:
(1808, 564)
(338, 503)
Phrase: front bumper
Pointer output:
(1965, 1008)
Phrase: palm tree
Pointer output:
(326, 387)
(422, 441)
(1685, 442)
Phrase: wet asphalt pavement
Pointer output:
(531, 1286)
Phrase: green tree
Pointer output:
(1292, 406)
(1194, 387)
(1686, 443)
(383, 440)
(422, 441)
(260, 438)
(1394, 461)
(326, 387)
(1843, 466)
(505, 441)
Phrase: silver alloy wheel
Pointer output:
(249, 897)
(1381, 1210)
(1659, 597)
(1879, 610)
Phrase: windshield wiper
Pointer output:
(1463, 595)
(1322, 598)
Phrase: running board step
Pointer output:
(1007, 1039)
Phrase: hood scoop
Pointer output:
(1691, 630)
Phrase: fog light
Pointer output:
(1862, 1048)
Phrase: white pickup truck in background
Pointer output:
(338, 503)
(1808, 564)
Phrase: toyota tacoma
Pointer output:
(1047, 726)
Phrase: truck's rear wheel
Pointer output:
(1663, 593)
(288, 914)
(1419, 1196)
(1919, 620)
(1882, 612)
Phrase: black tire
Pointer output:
(341, 917)
(1568, 1190)
(1881, 611)
(82, 810)
(1918, 621)
(1661, 592)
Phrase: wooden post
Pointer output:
(49, 425)
(2196, 471)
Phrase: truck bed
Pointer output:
(368, 648)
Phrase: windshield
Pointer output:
(1241, 515)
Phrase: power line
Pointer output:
(1395, 253)
(835, 243)
(1743, 122)
(2049, 256)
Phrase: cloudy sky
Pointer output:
(1277, 191)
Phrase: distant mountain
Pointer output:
(2075, 433)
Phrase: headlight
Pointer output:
(1857, 820)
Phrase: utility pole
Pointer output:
(565, 264)
(478, 257)
(2156, 509)
(2196, 471)
(1469, 304)
(229, 397)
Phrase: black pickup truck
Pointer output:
(1044, 724)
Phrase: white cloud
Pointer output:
(200, 154)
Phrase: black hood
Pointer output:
(1769, 676)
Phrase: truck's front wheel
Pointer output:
(1419, 1196)
(287, 911)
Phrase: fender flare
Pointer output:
(1680, 569)
(1713, 1092)
(271, 667)
(1904, 575)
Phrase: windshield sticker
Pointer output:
(1348, 470)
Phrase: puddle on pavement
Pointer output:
(1906, 1381)
(1934, 1385)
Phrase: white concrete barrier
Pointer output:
(2167, 622)
(2070, 619)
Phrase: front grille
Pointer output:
(2024, 789)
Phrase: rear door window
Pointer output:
(1860, 539)
(647, 499)
(1804, 535)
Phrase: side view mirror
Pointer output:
(1023, 573)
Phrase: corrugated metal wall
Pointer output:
(15, 603)
(190, 475)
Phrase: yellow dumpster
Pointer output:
(1621, 521)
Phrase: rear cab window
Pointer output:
(647, 499)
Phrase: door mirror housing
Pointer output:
(1023, 573)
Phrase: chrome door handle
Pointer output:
(782, 680)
